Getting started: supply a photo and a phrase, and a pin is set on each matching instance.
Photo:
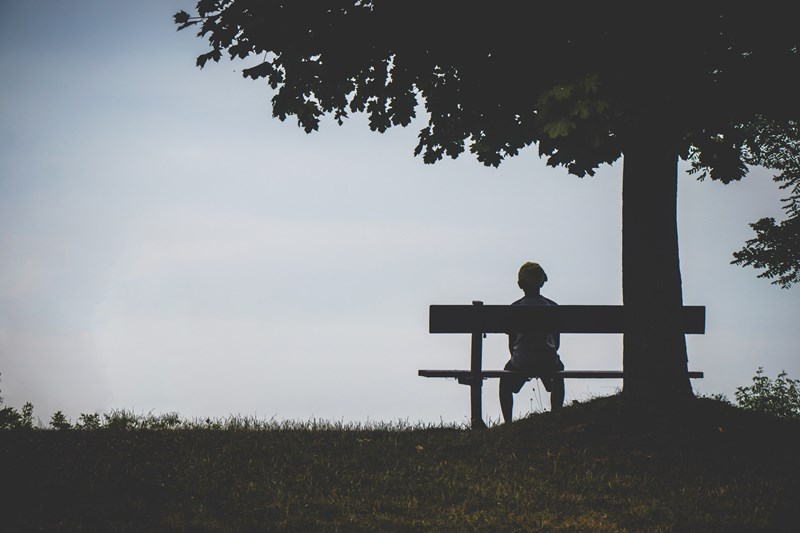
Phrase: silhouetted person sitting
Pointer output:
(533, 352)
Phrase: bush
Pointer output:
(59, 421)
(10, 418)
(88, 421)
(779, 398)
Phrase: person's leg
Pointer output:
(557, 389)
(556, 394)
(509, 386)
(506, 399)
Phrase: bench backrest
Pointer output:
(562, 318)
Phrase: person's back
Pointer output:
(531, 351)
(534, 351)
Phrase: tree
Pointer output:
(584, 82)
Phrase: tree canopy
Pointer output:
(711, 83)
(716, 81)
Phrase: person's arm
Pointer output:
(511, 337)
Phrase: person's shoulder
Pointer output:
(548, 301)
(534, 300)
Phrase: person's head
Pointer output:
(531, 277)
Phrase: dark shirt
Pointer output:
(532, 351)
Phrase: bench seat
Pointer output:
(578, 374)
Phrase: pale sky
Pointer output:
(165, 245)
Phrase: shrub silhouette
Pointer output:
(779, 398)
(59, 421)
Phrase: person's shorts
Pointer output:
(515, 383)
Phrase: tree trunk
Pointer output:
(654, 356)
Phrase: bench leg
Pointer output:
(476, 382)
(475, 393)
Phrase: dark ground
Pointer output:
(588, 468)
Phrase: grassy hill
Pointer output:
(586, 468)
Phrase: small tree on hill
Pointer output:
(713, 83)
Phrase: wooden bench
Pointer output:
(478, 320)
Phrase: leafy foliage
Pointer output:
(59, 421)
(10, 418)
(776, 246)
(779, 398)
(774, 145)
(88, 421)
(776, 249)
(498, 77)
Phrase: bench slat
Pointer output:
(579, 374)
(562, 318)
